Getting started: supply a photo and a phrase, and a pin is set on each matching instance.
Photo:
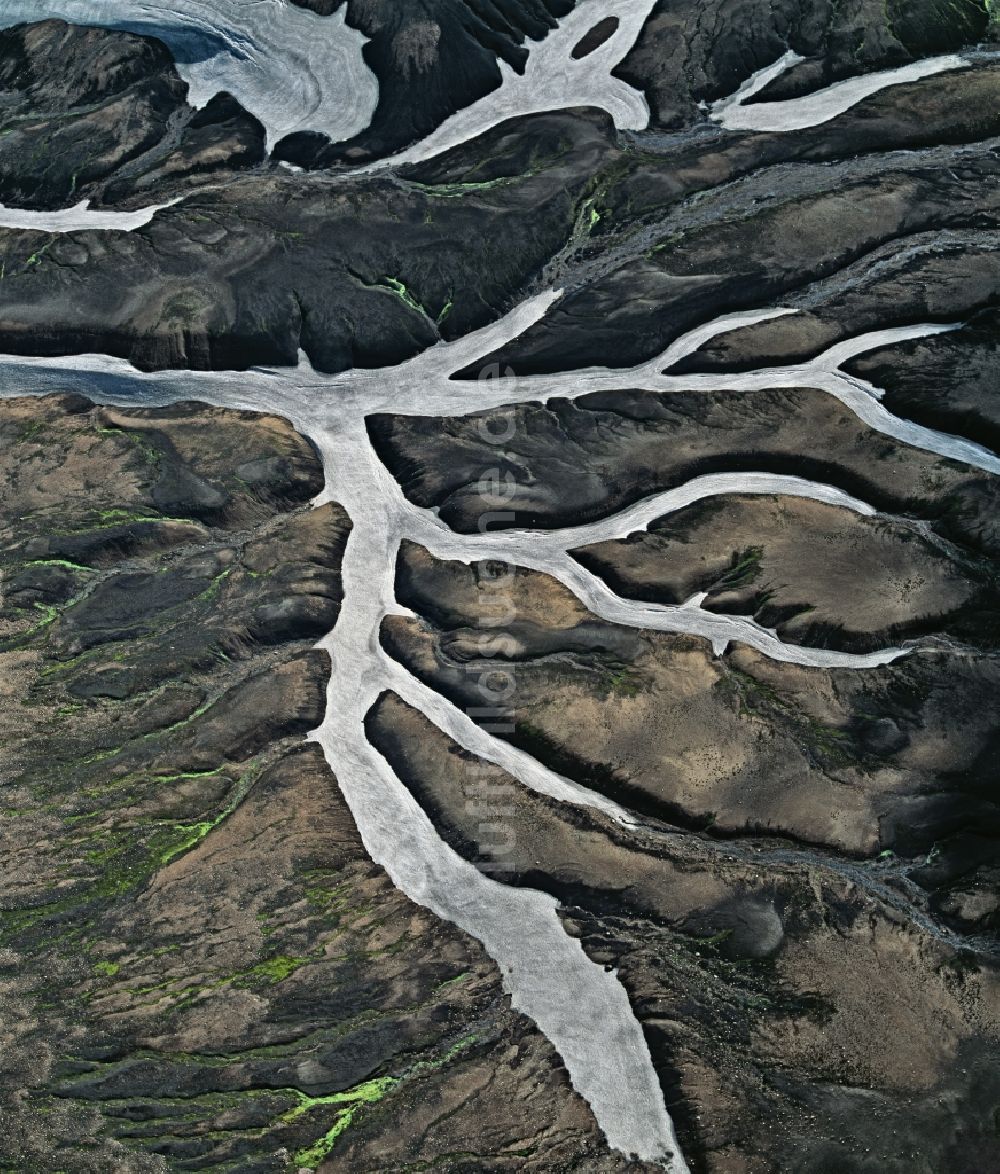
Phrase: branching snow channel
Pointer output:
(582, 1009)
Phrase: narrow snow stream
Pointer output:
(821, 106)
(81, 216)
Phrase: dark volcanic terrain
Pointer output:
(670, 602)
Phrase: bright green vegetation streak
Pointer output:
(431, 1065)
(352, 1100)
(394, 285)
(311, 1158)
(452, 191)
(400, 290)
(458, 978)
(715, 939)
(329, 900)
(151, 455)
(37, 256)
(59, 562)
(118, 876)
(110, 969)
(272, 971)
(745, 568)
(124, 515)
(50, 614)
(192, 834)
(101, 755)
(275, 970)
(116, 517)
(625, 683)
(212, 591)
(16, 921)
(587, 218)
(190, 774)
(355, 1098)
(49, 617)
(367, 1093)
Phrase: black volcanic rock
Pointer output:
(54, 66)
(946, 381)
(431, 58)
(693, 51)
(951, 108)
(570, 462)
(85, 102)
(595, 37)
(220, 137)
(641, 300)
(248, 272)
(933, 277)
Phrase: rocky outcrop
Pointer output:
(932, 277)
(707, 261)
(692, 52)
(253, 271)
(568, 462)
(864, 761)
(948, 382)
